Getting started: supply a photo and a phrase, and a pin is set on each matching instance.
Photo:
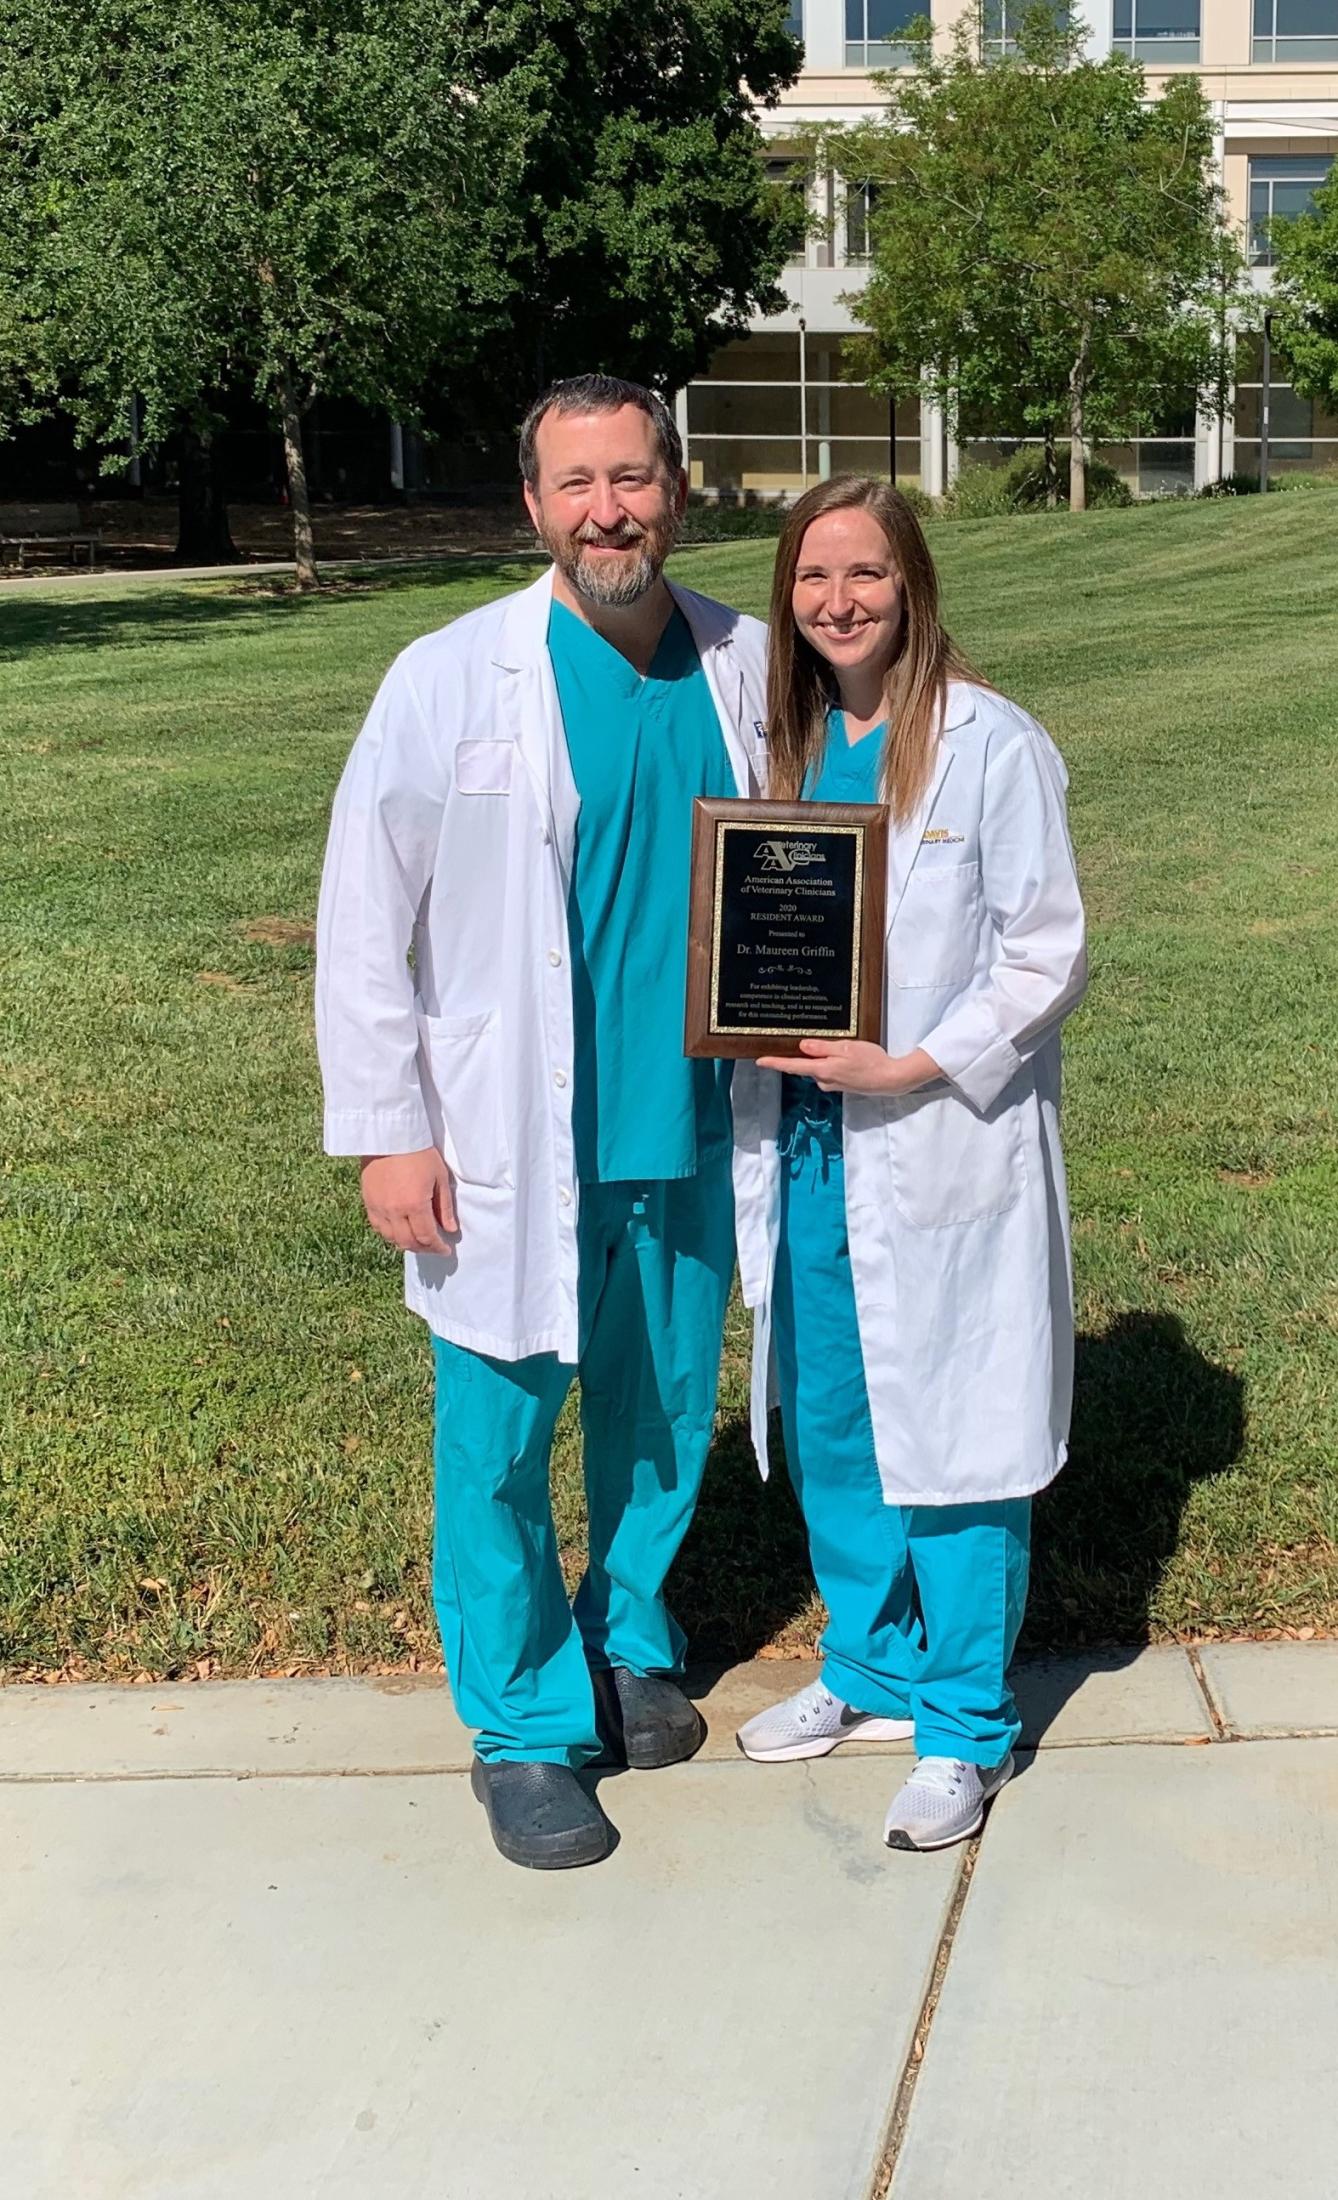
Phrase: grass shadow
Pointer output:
(1152, 1416)
(743, 1576)
(161, 612)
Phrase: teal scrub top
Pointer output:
(850, 770)
(641, 750)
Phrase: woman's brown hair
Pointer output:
(801, 686)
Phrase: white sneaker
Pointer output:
(943, 1801)
(812, 1723)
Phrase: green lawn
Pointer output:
(213, 1409)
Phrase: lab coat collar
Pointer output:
(522, 651)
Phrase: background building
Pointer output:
(775, 411)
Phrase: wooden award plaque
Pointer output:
(786, 925)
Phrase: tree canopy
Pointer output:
(374, 198)
(646, 232)
(1305, 294)
(1050, 251)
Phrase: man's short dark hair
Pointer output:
(597, 393)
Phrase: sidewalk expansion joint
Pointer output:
(1221, 1731)
(886, 2170)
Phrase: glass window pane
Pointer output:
(1310, 166)
(854, 19)
(794, 21)
(887, 17)
(1162, 51)
(1307, 19)
(1168, 18)
(1263, 18)
(1290, 199)
(1124, 18)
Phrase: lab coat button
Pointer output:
(564, 1194)
(559, 1077)
(554, 958)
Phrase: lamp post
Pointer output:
(1265, 395)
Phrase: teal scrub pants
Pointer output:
(656, 1262)
(925, 1601)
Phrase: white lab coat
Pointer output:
(955, 1198)
(451, 843)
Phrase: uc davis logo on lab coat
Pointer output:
(783, 855)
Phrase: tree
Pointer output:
(290, 196)
(1051, 253)
(646, 232)
(372, 198)
(1305, 294)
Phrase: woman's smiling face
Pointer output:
(847, 591)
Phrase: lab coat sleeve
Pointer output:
(1030, 885)
(378, 868)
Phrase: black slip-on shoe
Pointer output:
(645, 1720)
(540, 1815)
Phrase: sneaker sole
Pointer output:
(877, 1730)
(900, 1840)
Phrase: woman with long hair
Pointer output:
(903, 1225)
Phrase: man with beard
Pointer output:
(502, 951)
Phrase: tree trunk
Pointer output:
(203, 534)
(1051, 469)
(1079, 454)
(304, 546)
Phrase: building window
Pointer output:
(794, 21)
(1158, 31)
(861, 199)
(875, 32)
(792, 175)
(1296, 30)
(1000, 21)
(1281, 187)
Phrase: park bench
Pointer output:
(25, 527)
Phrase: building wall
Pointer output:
(786, 407)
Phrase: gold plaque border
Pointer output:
(794, 831)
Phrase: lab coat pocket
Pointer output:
(934, 936)
(949, 1162)
(463, 1087)
(484, 767)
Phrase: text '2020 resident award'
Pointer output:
(785, 938)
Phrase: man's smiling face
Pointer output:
(605, 505)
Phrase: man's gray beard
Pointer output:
(602, 584)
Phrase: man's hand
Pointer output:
(856, 1065)
(410, 1200)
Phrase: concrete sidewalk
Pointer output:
(256, 1942)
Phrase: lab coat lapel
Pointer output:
(907, 839)
(724, 677)
(531, 713)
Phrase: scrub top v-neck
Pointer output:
(641, 750)
(850, 770)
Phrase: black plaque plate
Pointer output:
(786, 932)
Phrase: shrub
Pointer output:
(983, 491)
(733, 522)
(979, 492)
(1025, 475)
(1232, 485)
(1302, 481)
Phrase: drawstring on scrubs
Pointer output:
(811, 1121)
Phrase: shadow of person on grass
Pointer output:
(1152, 1416)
